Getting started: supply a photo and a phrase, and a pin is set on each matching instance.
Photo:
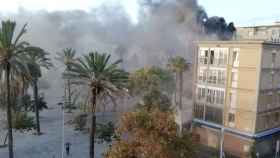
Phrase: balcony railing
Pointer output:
(215, 62)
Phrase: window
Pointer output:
(214, 114)
(215, 96)
(235, 57)
(216, 77)
(200, 75)
(199, 111)
(206, 57)
(221, 77)
(210, 96)
(212, 57)
(203, 58)
(231, 117)
(201, 93)
(220, 97)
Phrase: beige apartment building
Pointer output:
(237, 97)
(261, 32)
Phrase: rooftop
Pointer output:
(238, 42)
(275, 24)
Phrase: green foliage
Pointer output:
(155, 99)
(178, 64)
(106, 132)
(151, 78)
(24, 103)
(80, 122)
(67, 56)
(42, 104)
(21, 121)
(96, 71)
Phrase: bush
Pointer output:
(80, 122)
(21, 121)
(106, 132)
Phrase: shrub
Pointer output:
(21, 121)
(80, 122)
(106, 132)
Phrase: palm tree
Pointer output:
(178, 65)
(67, 56)
(11, 47)
(102, 77)
(35, 59)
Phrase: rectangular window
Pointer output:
(221, 77)
(235, 57)
(212, 57)
(206, 57)
(231, 117)
(201, 93)
(200, 75)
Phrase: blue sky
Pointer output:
(242, 12)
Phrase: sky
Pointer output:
(241, 12)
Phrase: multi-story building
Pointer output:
(237, 96)
(262, 32)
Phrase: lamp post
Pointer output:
(257, 155)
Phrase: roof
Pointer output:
(276, 24)
(238, 42)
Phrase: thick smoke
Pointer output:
(165, 28)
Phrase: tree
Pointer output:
(150, 134)
(11, 48)
(102, 77)
(155, 99)
(148, 79)
(36, 58)
(67, 56)
(178, 65)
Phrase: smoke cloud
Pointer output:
(165, 28)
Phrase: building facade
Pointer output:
(264, 32)
(237, 97)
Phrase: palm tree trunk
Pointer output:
(181, 100)
(181, 90)
(9, 113)
(176, 85)
(36, 107)
(69, 96)
(93, 124)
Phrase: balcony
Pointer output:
(215, 62)
(208, 113)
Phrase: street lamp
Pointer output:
(257, 155)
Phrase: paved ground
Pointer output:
(51, 144)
